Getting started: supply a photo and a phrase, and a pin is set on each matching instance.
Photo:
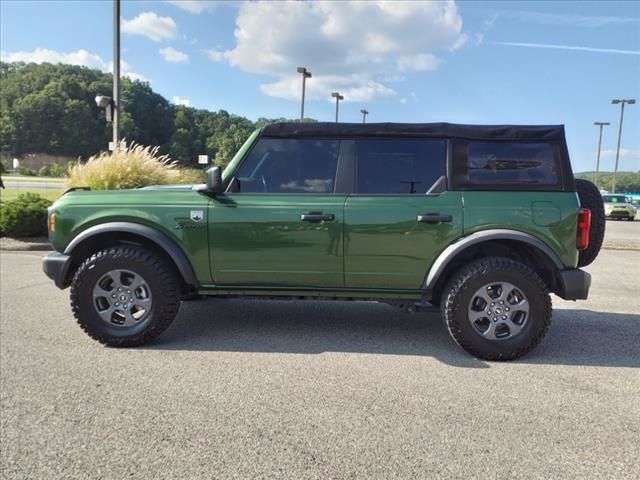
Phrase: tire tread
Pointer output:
(170, 294)
(451, 303)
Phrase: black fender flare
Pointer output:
(449, 253)
(163, 241)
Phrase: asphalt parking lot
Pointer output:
(249, 389)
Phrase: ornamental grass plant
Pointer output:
(133, 167)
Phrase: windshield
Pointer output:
(614, 199)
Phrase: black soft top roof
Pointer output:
(472, 132)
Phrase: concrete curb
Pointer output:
(36, 244)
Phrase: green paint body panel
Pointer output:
(260, 240)
(549, 216)
(385, 245)
(162, 208)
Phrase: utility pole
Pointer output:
(305, 74)
(338, 97)
(615, 101)
(116, 75)
(595, 175)
(364, 115)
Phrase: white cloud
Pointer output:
(172, 55)
(348, 46)
(42, 55)
(215, 55)
(353, 87)
(80, 57)
(194, 6)
(419, 62)
(568, 47)
(125, 71)
(628, 153)
(411, 97)
(150, 25)
(181, 101)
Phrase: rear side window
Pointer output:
(289, 165)
(407, 166)
(511, 164)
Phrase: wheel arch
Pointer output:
(498, 242)
(108, 234)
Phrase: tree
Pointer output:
(49, 108)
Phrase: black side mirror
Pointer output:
(214, 180)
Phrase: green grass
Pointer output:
(10, 193)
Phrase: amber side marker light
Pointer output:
(52, 222)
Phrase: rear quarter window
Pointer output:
(511, 164)
(506, 165)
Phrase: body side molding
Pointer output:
(167, 244)
(454, 249)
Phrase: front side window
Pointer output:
(407, 166)
(289, 165)
(511, 164)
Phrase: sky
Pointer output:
(476, 62)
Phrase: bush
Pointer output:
(58, 171)
(136, 167)
(45, 171)
(25, 216)
(53, 170)
(26, 171)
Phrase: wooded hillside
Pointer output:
(50, 109)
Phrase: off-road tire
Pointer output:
(158, 274)
(459, 291)
(590, 198)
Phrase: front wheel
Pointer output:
(125, 296)
(496, 308)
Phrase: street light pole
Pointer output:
(116, 75)
(615, 101)
(595, 175)
(364, 115)
(305, 74)
(338, 97)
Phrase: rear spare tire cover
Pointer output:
(590, 198)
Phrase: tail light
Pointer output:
(584, 226)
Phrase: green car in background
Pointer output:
(618, 207)
(483, 222)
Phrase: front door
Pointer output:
(394, 230)
(280, 223)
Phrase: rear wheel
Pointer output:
(590, 198)
(125, 296)
(496, 308)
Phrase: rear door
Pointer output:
(394, 229)
(280, 223)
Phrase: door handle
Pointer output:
(317, 217)
(434, 218)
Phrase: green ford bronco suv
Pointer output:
(482, 221)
